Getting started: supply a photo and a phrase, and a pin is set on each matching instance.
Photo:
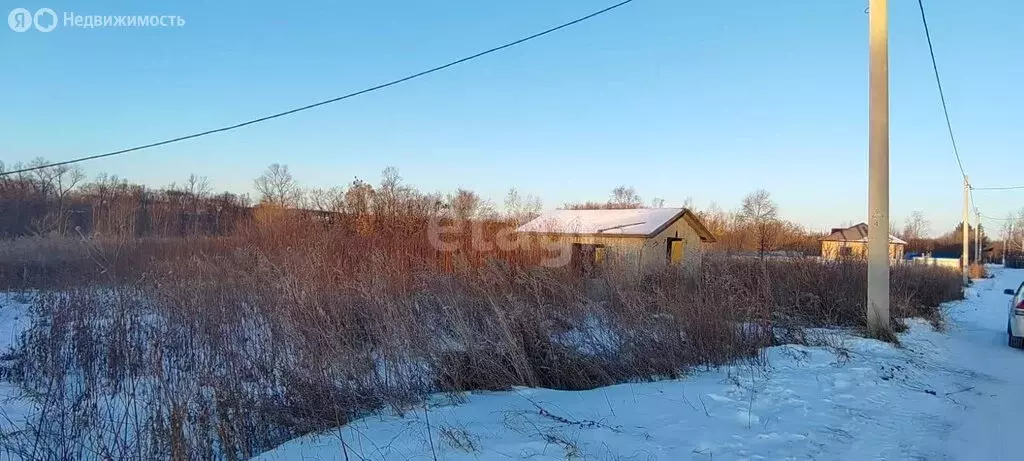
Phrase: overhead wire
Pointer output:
(945, 112)
(942, 94)
(324, 102)
(998, 188)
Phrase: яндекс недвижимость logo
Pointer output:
(45, 20)
(21, 19)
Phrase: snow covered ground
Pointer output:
(956, 395)
(15, 410)
(953, 395)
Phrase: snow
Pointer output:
(14, 319)
(614, 222)
(953, 395)
(991, 421)
(940, 395)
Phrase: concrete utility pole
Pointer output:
(965, 260)
(977, 236)
(878, 168)
(1006, 241)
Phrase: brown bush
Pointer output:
(810, 292)
(977, 271)
(291, 327)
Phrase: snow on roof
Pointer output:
(641, 221)
(858, 233)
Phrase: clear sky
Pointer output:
(700, 99)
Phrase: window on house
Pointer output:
(675, 250)
(845, 252)
(587, 258)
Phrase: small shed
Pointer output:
(852, 242)
(645, 238)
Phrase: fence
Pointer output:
(949, 263)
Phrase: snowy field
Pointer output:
(14, 409)
(953, 395)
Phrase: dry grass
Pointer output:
(809, 292)
(58, 262)
(226, 347)
(977, 271)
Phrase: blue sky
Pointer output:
(708, 100)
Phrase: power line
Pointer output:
(949, 124)
(938, 82)
(325, 102)
(999, 219)
(998, 188)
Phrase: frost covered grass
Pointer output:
(810, 292)
(258, 339)
(59, 261)
(841, 397)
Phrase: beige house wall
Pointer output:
(655, 253)
(830, 249)
(618, 251)
(637, 255)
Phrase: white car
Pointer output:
(1015, 323)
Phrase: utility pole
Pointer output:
(977, 236)
(878, 168)
(965, 229)
(1006, 241)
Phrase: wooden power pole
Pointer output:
(878, 166)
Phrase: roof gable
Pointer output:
(631, 222)
(856, 233)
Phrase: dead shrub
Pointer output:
(226, 347)
(814, 293)
(977, 271)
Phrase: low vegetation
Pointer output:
(223, 344)
(226, 347)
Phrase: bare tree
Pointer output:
(625, 197)
(197, 190)
(464, 204)
(330, 199)
(916, 227)
(359, 198)
(1013, 231)
(67, 178)
(657, 202)
(760, 212)
(521, 209)
(388, 194)
(426, 205)
(197, 187)
(53, 185)
(277, 186)
(715, 219)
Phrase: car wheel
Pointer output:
(1017, 342)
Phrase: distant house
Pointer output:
(852, 242)
(644, 239)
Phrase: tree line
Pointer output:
(60, 200)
